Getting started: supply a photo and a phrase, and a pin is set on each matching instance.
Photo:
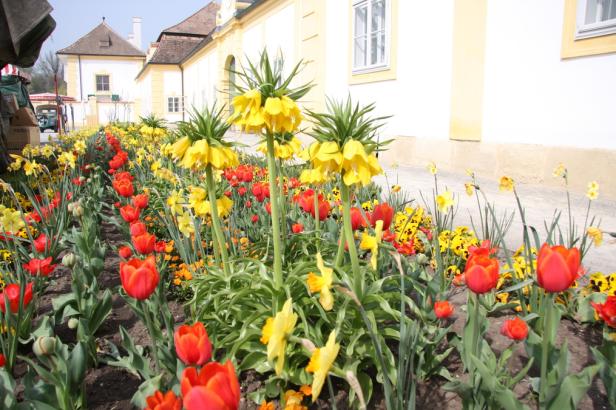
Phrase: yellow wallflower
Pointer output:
(595, 234)
(371, 243)
(444, 201)
(505, 184)
(321, 362)
(275, 333)
(322, 284)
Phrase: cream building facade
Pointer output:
(502, 87)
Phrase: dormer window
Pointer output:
(105, 43)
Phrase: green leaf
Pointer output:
(77, 365)
(147, 388)
(573, 388)
(7, 390)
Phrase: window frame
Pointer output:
(387, 31)
(590, 30)
(96, 77)
(175, 103)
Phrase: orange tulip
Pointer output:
(515, 329)
(160, 401)
(443, 309)
(557, 267)
(481, 273)
(129, 213)
(139, 277)
(192, 344)
(144, 243)
(607, 311)
(382, 212)
(215, 387)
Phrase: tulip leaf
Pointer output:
(7, 390)
(147, 388)
(573, 388)
(77, 364)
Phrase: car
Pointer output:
(47, 116)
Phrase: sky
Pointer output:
(74, 18)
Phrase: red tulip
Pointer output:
(607, 311)
(382, 212)
(241, 191)
(481, 273)
(129, 213)
(515, 329)
(160, 246)
(137, 228)
(139, 277)
(215, 387)
(144, 243)
(248, 204)
(42, 267)
(268, 207)
(42, 243)
(557, 267)
(123, 175)
(124, 187)
(228, 194)
(140, 201)
(10, 295)
(192, 344)
(254, 218)
(443, 309)
(160, 401)
(297, 228)
(261, 191)
(2, 360)
(357, 219)
(125, 252)
(324, 208)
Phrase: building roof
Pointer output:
(201, 23)
(103, 41)
(173, 49)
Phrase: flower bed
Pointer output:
(185, 273)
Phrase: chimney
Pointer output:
(135, 36)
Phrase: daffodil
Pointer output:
(47, 151)
(11, 221)
(224, 206)
(371, 243)
(469, 188)
(321, 361)
(595, 234)
(560, 171)
(185, 224)
(505, 184)
(444, 201)
(322, 284)
(432, 168)
(67, 158)
(275, 333)
(395, 188)
(593, 190)
(31, 167)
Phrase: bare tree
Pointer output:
(47, 66)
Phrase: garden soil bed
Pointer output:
(111, 388)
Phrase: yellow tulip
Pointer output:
(322, 284)
(275, 333)
(321, 362)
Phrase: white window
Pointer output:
(595, 18)
(102, 83)
(371, 34)
(173, 104)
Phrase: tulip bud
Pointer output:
(422, 259)
(77, 211)
(73, 323)
(69, 260)
(44, 346)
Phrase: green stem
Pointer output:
(348, 232)
(317, 225)
(340, 253)
(475, 334)
(545, 347)
(282, 202)
(217, 228)
(150, 326)
(271, 165)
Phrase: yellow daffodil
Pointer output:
(275, 333)
(79, 147)
(560, 171)
(469, 188)
(11, 221)
(16, 164)
(175, 202)
(31, 167)
(444, 201)
(185, 224)
(395, 188)
(47, 151)
(505, 184)
(359, 167)
(371, 243)
(432, 168)
(593, 190)
(322, 284)
(224, 206)
(67, 158)
(596, 235)
(321, 361)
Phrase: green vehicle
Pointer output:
(47, 116)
